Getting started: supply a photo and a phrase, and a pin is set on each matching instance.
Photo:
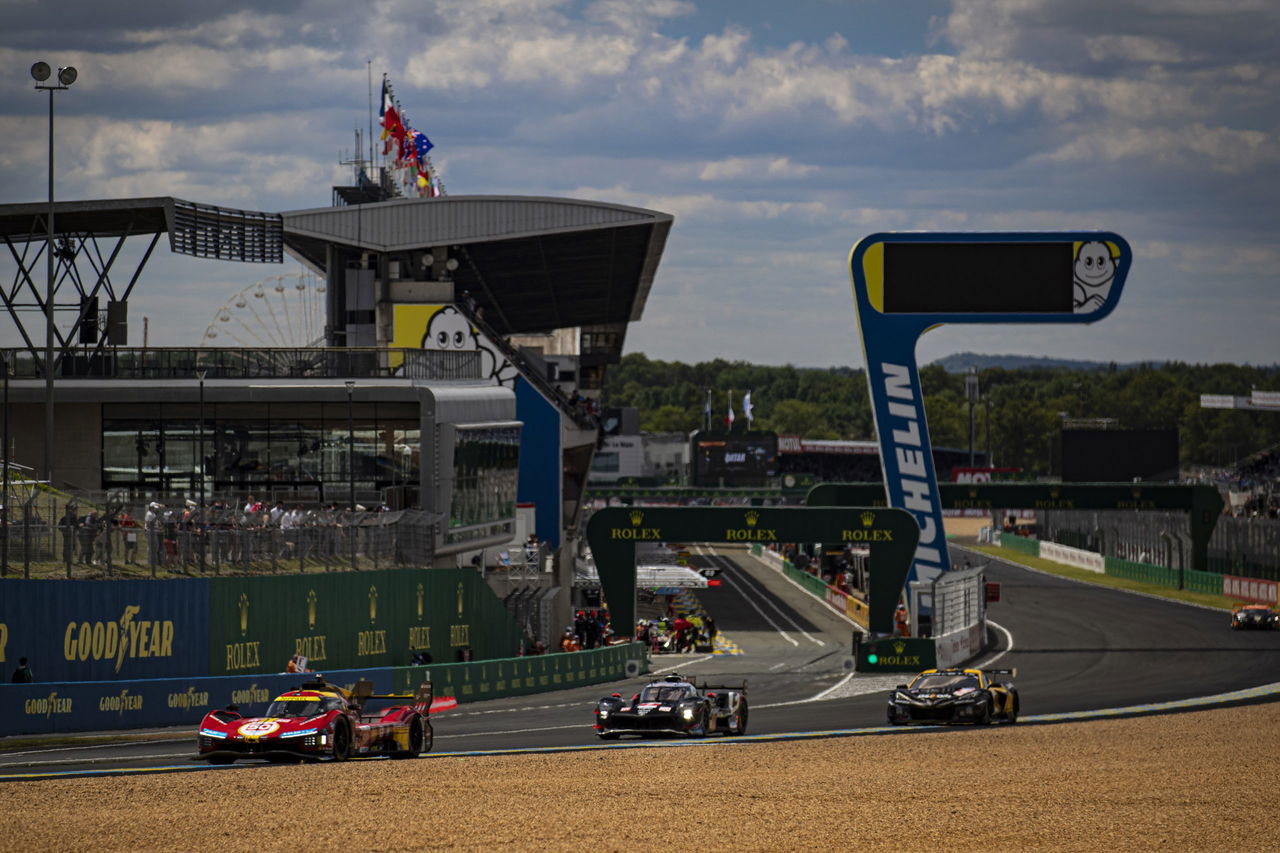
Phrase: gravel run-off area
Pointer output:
(1203, 780)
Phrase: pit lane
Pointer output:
(1077, 647)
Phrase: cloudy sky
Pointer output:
(778, 134)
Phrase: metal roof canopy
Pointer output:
(535, 263)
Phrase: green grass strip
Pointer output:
(1204, 599)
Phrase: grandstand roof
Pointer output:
(536, 263)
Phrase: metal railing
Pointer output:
(233, 363)
(51, 536)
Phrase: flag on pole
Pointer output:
(728, 419)
(746, 409)
(706, 412)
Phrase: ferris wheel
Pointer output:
(281, 311)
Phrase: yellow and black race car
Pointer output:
(976, 696)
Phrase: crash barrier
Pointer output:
(46, 708)
(959, 614)
(1072, 557)
(1190, 579)
(1021, 544)
(838, 600)
(95, 533)
(1244, 546)
(1250, 589)
(78, 630)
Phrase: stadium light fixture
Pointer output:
(40, 72)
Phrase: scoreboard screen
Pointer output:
(978, 278)
(734, 459)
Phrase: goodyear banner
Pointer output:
(355, 619)
(109, 705)
(73, 630)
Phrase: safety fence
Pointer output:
(1249, 547)
(56, 535)
(1212, 583)
(108, 705)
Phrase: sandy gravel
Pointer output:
(1192, 781)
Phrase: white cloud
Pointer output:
(1220, 149)
(758, 167)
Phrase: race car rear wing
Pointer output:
(363, 691)
(1012, 673)
(703, 686)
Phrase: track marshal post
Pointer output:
(906, 284)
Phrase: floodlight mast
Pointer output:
(67, 75)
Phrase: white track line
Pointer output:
(683, 665)
(765, 599)
(783, 575)
(1008, 646)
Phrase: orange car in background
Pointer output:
(1256, 617)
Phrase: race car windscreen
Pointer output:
(662, 694)
(944, 682)
(301, 707)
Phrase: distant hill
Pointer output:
(961, 362)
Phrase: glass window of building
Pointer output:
(486, 462)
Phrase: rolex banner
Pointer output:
(355, 619)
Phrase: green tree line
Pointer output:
(1018, 416)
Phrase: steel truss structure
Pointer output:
(87, 244)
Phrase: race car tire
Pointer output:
(984, 719)
(1013, 712)
(341, 740)
(429, 736)
(738, 722)
(417, 736)
(699, 728)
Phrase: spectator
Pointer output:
(90, 528)
(22, 675)
(129, 525)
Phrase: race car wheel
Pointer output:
(416, 738)
(1013, 710)
(700, 728)
(984, 719)
(738, 722)
(341, 740)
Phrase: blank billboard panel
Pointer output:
(1119, 455)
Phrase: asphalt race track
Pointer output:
(1077, 647)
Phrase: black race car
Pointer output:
(955, 696)
(1254, 617)
(674, 705)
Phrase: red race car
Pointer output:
(322, 720)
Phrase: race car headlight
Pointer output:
(213, 733)
(604, 713)
(687, 713)
(901, 697)
(300, 733)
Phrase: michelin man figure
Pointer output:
(450, 330)
(1095, 269)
